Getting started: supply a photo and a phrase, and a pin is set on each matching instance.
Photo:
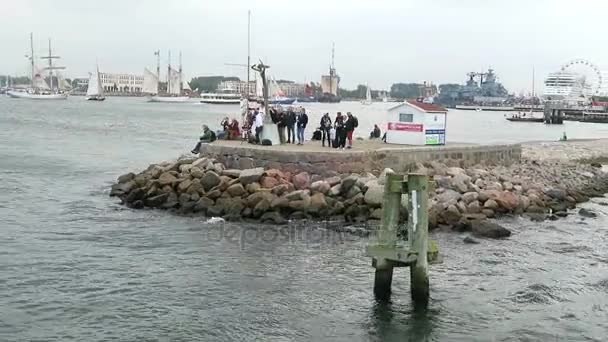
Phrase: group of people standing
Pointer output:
(293, 120)
(337, 133)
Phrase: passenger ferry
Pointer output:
(221, 98)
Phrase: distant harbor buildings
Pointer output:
(240, 87)
(288, 88)
(122, 83)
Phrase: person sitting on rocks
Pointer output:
(207, 136)
(375, 134)
(233, 130)
(223, 134)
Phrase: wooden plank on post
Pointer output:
(418, 236)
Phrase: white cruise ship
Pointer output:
(563, 85)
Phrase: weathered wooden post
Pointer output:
(388, 252)
(417, 230)
(387, 236)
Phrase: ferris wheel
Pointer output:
(589, 75)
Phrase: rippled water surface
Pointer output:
(75, 265)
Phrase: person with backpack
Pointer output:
(302, 122)
(325, 126)
(207, 136)
(350, 125)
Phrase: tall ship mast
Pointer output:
(175, 85)
(39, 89)
(330, 83)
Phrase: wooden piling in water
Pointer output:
(388, 252)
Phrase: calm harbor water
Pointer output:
(75, 265)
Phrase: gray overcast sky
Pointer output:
(380, 42)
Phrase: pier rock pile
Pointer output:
(537, 189)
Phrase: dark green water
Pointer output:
(76, 266)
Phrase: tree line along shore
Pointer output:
(545, 184)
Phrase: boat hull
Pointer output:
(526, 119)
(211, 101)
(285, 101)
(25, 95)
(96, 98)
(168, 99)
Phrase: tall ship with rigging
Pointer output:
(175, 87)
(39, 88)
(330, 84)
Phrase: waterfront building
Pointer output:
(288, 89)
(122, 83)
(239, 87)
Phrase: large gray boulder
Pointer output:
(349, 182)
(236, 190)
(232, 173)
(375, 194)
(166, 178)
(297, 195)
(448, 197)
(489, 229)
(210, 180)
(320, 186)
(251, 175)
(557, 194)
(126, 177)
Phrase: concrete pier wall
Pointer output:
(345, 161)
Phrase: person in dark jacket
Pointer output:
(302, 122)
(340, 131)
(350, 125)
(375, 134)
(290, 123)
(325, 126)
(207, 136)
(281, 124)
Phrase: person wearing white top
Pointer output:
(332, 136)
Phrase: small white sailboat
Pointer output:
(39, 89)
(368, 96)
(174, 84)
(95, 89)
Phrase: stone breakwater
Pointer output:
(462, 198)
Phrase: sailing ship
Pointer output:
(330, 84)
(519, 117)
(39, 88)
(95, 89)
(368, 96)
(175, 87)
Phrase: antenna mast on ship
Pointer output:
(533, 85)
(32, 56)
(157, 54)
(331, 69)
(50, 68)
(169, 73)
(180, 74)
